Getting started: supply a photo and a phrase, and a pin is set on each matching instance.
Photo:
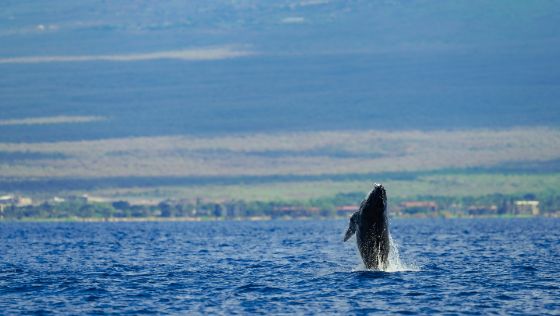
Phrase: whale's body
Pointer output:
(370, 225)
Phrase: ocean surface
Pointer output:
(460, 266)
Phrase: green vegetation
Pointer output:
(429, 194)
(300, 174)
(413, 186)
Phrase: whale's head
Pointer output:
(376, 202)
(372, 210)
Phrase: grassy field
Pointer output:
(450, 184)
(289, 166)
(310, 153)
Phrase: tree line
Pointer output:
(320, 208)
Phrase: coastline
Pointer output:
(245, 219)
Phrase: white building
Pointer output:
(527, 207)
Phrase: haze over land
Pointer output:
(217, 98)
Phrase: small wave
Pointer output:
(526, 268)
(252, 287)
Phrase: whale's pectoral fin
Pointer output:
(351, 230)
(351, 227)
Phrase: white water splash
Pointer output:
(395, 264)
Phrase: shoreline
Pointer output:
(243, 219)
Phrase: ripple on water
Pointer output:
(278, 268)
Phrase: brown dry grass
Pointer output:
(306, 153)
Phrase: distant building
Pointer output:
(78, 198)
(85, 199)
(8, 200)
(5, 201)
(94, 199)
(478, 210)
(23, 201)
(346, 210)
(417, 207)
(295, 211)
(524, 207)
(57, 200)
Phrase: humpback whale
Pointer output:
(370, 225)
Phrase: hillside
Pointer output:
(186, 98)
(219, 67)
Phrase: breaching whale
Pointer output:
(370, 225)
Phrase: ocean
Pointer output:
(444, 266)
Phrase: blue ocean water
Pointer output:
(507, 266)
